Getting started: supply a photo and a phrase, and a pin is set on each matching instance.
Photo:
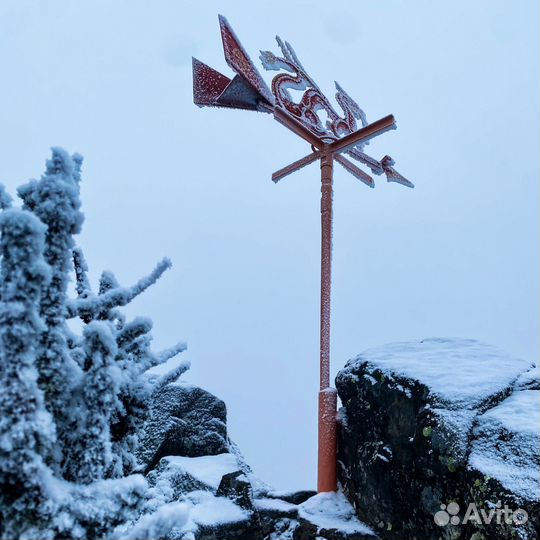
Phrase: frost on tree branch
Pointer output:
(90, 307)
(71, 406)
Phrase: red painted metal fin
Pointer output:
(289, 169)
(355, 171)
(208, 84)
(239, 95)
(240, 62)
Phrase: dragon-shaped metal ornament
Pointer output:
(248, 90)
(313, 101)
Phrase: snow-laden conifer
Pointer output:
(71, 406)
(54, 199)
(92, 458)
(26, 428)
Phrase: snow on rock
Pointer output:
(321, 516)
(209, 470)
(507, 442)
(333, 511)
(530, 379)
(458, 372)
(185, 518)
(218, 503)
(157, 524)
(439, 420)
(294, 497)
(208, 510)
(185, 420)
(274, 504)
(175, 476)
(195, 482)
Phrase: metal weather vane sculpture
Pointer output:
(338, 135)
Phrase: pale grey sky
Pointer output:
(456, 256)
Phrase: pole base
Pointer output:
(327, 477)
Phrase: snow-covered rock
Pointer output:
(210, 510)
(506, 445)
(326, 516)
(215, 501)
(427, 423)
(185, 420)
(293, 497)
(334, 517)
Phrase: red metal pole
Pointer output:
(327, 480)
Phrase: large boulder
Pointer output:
(185, 420)
(434, 431)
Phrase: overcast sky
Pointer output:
(456, 256)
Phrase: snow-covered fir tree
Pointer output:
(100, 388)
(71, 406)
(26, 429)
(54, 199)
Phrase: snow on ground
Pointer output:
(207, 510)
(274, 504)
(154, 525)
(203, 508)
(196, 509)
(187, 512)
(332, 511)
(207, 469)
(507, 442)
(459, 372)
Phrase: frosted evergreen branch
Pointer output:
(82, 285)
(170, 376)
(120, 296)
(133, 330)
(90, 455)
(107, 282)
(171, 352)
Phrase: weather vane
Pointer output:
(338, 135)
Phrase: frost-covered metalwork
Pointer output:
(330, 135)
